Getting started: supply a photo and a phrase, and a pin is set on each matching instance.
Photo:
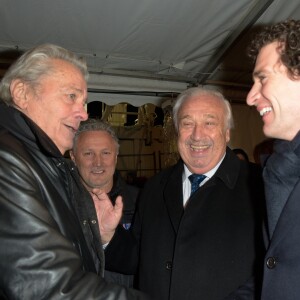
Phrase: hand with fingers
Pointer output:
(109, 215)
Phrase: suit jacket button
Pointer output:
(168, 265)
(271, 262)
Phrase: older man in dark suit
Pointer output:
(198, 225)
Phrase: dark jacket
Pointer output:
(43, 251)
(281, 267)
(129, 195)
(282, 185)
(207, 250)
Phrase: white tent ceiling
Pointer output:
(144, 51)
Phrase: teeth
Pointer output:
(97, 172)
(198, 147)
(265, 110)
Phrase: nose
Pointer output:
(197, 132)
(97, 159)
(253, 95)
(82, 113)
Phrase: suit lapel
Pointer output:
(173, 195)
(172, 185)
(288, 217)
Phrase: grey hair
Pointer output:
(35, 63)
(96, 125)
(202, 91)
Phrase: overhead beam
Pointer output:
(124, 83)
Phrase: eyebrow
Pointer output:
(80, 91)
(184, 117)
(68, 88)
(209, 115)
(256, 73)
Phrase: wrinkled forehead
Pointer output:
(203, 104)
(95, 139)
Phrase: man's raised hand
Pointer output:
(109, 215)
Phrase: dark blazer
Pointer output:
(206, 250)
(282, 260)
(129, 195)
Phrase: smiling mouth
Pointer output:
(98, 172)
(265, 111)
(199, 148)
(72, 128)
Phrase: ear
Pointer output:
(227, 135)
(18, 90)
(72, 156)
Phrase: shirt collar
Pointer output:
(209, 174)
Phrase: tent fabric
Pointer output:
(173, 43)
(148, 51)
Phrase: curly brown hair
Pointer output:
(287, 33)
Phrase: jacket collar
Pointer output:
(26, 130)
(228, 171)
